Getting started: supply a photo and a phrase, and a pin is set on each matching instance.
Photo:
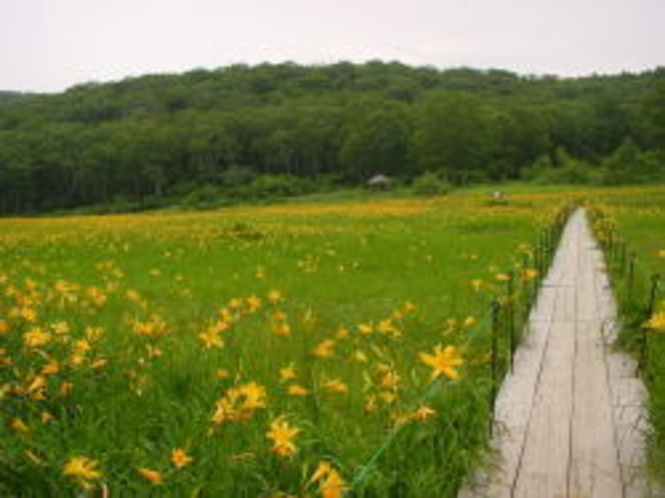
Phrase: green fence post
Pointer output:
(525, 291)
(622, 257)
(631, 275)
(494, 361)
(610, 248)
(651, 306)
(511, 316)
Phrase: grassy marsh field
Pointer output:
(248, 351)
(296, 349)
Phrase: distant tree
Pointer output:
(653, 115)
(377, 141)
(520, 135)
(452, 135)
(629, 165)
(429, 184)
(564, 170)
(236, 176)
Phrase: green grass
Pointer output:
(125, 397)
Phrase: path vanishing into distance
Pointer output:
(570, 420)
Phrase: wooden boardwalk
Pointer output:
(570, 420)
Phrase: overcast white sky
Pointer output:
(49, 45)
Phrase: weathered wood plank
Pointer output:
(515, 404)
(544, 305)
(594, 465)
(543, 468)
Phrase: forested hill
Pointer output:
(241, 131)
(8, 97)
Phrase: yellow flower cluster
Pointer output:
(240, 403)
(657, 321)
(235, 339)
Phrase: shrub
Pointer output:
(429, 184)
(119, 204)
(628, 164)
(568, 170)
(267, 186)
(203, 196)
(236, 176)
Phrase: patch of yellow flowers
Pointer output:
(58, 341)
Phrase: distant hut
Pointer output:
(379, 183)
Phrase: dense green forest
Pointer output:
(282, 129)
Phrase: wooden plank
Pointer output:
(515, 404)
(565, 309)
(594, 466)
(512, 414)
(544, 466)
(587, 305)
(544, 305)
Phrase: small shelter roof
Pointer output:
(379, 179)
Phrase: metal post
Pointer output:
(631, 275)
(511, 316)
(494, 361)
(651, 305)
(622, 260)
(553, 237)
(546, 249)
(526, 295)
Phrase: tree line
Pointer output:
(286, 128)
